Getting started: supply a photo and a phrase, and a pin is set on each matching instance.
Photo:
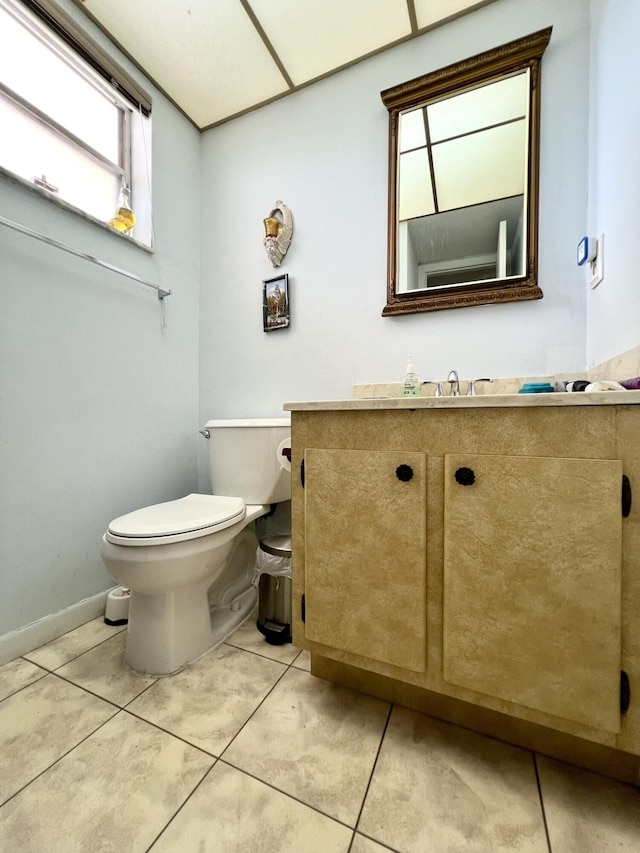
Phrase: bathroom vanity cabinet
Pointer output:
(474, 560)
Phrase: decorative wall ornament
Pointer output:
(278, 229)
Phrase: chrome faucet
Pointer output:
(454, 385)
(471, 388)
(438, 383)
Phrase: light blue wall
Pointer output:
(98, 407)
(323, 152)
(613, 308)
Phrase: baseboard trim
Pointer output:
(32, 636)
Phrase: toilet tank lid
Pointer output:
(248, 422)
(193, 512)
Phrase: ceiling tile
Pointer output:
(206, 55)
(430, 12)
(312, 39)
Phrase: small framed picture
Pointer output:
(275, 303)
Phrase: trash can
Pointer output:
(273, 578)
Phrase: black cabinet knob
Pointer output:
(404, 473)
(465, 477)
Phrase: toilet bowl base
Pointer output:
(167, 632)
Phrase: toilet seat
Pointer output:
(176, 521)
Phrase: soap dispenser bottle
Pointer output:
(411, 386)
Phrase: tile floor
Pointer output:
(246, 752)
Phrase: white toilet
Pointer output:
(189, 562)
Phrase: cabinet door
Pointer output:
(532, 583)
(365, 553)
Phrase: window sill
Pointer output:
(15, 179)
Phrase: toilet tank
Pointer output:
(246, 459)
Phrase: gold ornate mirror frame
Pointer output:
(499, 63)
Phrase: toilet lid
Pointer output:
(196, 514)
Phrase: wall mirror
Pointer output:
(463, 181)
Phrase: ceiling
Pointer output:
(217, 59)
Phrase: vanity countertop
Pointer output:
(481, 401)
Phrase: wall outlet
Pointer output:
(596, 266)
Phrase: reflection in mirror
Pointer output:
(462, 172)
(463, 182)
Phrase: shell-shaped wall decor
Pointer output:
(278, 229)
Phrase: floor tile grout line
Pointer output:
(354, 830)
(219, 758)
(228, 763)
(216, 758)
(259, 705)
(72, 684)
(75, 657)
(126, 708)
(183, 739)
(373, 770)
(93, 692)
(54, 671)
(35, 681)
(171, 734)
(181, 806)
(286, 794)
(380, 844)
(97, 695)
(544, 814)
(117, 710)
(123, 708)
(143, 691)
(261, 655)
(257, 778)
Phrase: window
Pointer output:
(74, 124)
